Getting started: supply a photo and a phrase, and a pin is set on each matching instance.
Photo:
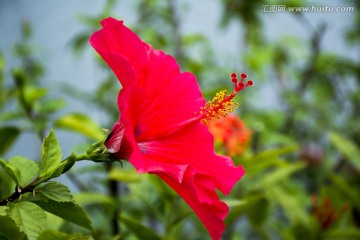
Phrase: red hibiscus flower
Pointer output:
(161, 128)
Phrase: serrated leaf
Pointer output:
(55, 235)
(9, 229)
(8, 136)
(51, 154)
(28, 169)
(55, 191)
(69, 211)
(29, 218)
(80, 123)
(139, 230)
(13, 172)
(348, 148)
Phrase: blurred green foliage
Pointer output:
(303, 165)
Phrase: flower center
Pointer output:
(222, 104)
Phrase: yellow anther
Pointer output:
(222, 103)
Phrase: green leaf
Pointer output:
(29, 218)
(3, 210)
(267, 159)
(342, 234)
(241, 207)
(140, 231)
(33, 94)
(28, 169)
(80, 123)
(129, 176)
(55, 235)
(49, 106)
(82, 238)
(79, 42)
(348, 148)
(11, 116)
(62, 167)
(346, 188)
(68, 211)
(274, 153)
(2, 62)
(279, 175)
(294, 207)
(164, 190)
(86, 199)
(52, 221)
(13, 172)
(7, 185)
(55, 191)
(9, 229)
(8, 136)
(259, 212)
(51, 155)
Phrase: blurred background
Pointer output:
(296, 131)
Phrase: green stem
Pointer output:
(97, 153)
(19, 191)
(81, 157)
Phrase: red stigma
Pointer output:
(222, 103)
(239, 85)
(234, 78)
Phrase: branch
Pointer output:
(96, 153)
(19, 191)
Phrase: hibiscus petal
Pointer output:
(211, 214)
(171, 98)
(122, 49)
(168, 98)
(194, 145)
(116, 137)
(144, 164)
(186, 161)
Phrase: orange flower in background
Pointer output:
(232, 133)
